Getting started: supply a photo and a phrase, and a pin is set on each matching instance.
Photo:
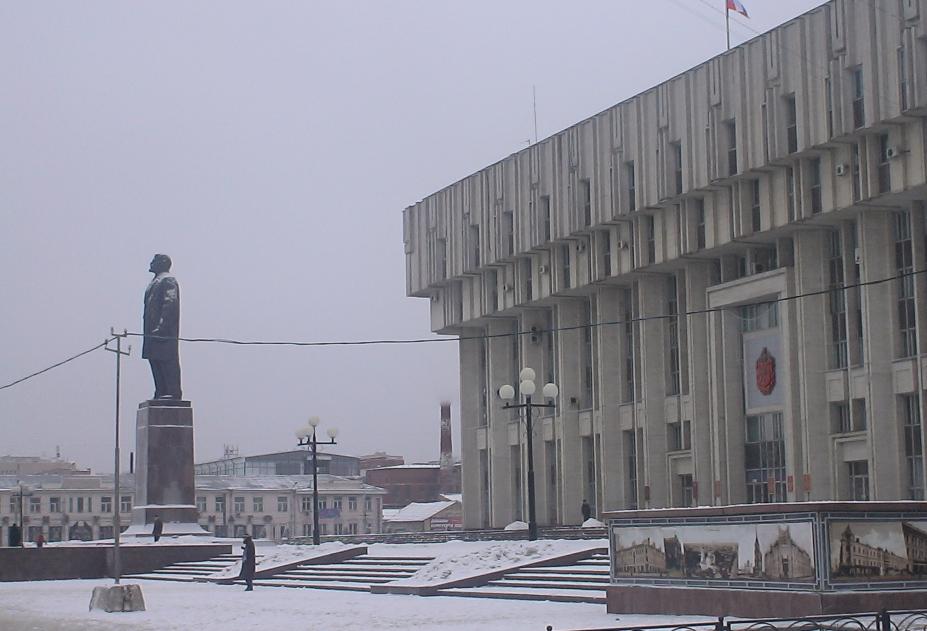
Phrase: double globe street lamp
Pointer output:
(307, 438)
(527, 388)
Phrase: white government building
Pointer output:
(709, 228)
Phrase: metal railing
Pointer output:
(440, 536)
(911, 620)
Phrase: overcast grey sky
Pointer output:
(269, 148)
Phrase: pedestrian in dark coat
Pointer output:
(39, 540)
(247, 562)
(587, 510)
(157, 528)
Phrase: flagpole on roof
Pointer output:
(727, 23)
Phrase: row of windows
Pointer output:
(283, 503)
(36, 504)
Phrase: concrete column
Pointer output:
(886, 477)
(571, 490)
(470, 413)
(698, 279)
(812, 348)
(610, 361)
(501, 367)
(653, 378)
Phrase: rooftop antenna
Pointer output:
(534, 98)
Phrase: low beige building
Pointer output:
(272, 507)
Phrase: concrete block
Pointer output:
(117, 598)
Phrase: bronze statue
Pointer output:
(162, 328)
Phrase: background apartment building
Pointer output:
(723, 274)
(275, 507)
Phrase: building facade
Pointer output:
(723, 275)
(273, 507)
(295, 462)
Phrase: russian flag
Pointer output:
(738, 6)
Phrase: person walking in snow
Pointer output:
(587, 510)
(247, 562)
(157, 528)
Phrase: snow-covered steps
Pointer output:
(580, 580)
(188, 571)
(355, 574)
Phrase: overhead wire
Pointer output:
(487, 336)
(56, 365)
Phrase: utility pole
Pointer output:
(117, 498)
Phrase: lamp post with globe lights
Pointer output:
(307, 438)
(527, 388)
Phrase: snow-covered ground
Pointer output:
(62, 605)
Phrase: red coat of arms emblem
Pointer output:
(766, 373)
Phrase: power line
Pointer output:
(61, 363)
(488, 336)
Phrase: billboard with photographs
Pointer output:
(878, 550)
(729, 551)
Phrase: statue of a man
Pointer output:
(162, 328)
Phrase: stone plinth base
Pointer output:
(117, 598)
(754, 603)
(164, 482)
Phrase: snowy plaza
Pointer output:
(170, 605)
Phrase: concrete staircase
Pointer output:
(582, 581)
(191, 570)
(357, 574)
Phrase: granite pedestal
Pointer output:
(164, 481)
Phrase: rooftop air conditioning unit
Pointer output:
(841, 170)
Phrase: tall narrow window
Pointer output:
(913, 446)
(814, 186)
(837, 304)
(474, 243)
(631, 185)
(630, 446)
(790, 192)
(492, 292)
(545, 217)
(829, 106)
(859, 103)
(672, 330)
(854, 294)
(764, 459)
(699, 223)
(755, 215)
(566, 272)
(628, 318)
(904, 267)
(731, 129)
(586, 359)
(676, 152)
(585, 201)
(508, 232)
(902, 78)
(856, 172)
(606, 253)
(885, 167)
(791, 123)
(527, 275)
(651, 236)
(441, 258)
